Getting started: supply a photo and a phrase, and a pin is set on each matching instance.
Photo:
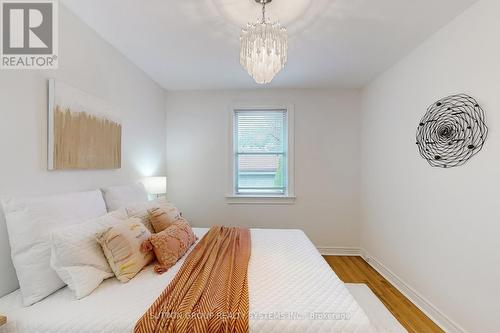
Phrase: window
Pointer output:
(261, 152)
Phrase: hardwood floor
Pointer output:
(356, 270)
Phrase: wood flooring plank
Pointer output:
(352, 269)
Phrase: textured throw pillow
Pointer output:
(78, 258)
(170, 244)
(30, 223)
(124, 195)
(141, 210)
(121, 245)
(163, 217)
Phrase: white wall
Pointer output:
(326, 162)
(91, 64)
(437, 229)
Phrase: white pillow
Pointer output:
(30, 221)
(124, 195)
(77, 257)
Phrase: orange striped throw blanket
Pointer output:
(210, 292)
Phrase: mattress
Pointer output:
(291, 289)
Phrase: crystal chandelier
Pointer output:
(264, 47)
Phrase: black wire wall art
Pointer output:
(452, 131)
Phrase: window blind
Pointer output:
(260, 139)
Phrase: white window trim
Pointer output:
(289, 196)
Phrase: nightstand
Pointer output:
(3, 320)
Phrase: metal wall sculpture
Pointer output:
(452, 131)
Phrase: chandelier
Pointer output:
(264, 47)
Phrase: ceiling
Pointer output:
(194, 44)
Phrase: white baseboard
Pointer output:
(420, 302)
(339, 251)
(424, 305)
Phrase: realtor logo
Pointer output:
(29, 34)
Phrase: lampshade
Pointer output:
(155, 185)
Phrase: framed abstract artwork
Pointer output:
(82, 130)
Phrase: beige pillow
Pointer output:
(163, 217)
(143, 215)
(121, 245)
(170, 244)
(140, 210)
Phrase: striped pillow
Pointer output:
(163, 217)
(121, 245)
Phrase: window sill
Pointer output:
(260, 199)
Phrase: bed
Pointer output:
(291, 289)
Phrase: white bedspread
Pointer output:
(291, 288)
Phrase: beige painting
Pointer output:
(81, 133)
